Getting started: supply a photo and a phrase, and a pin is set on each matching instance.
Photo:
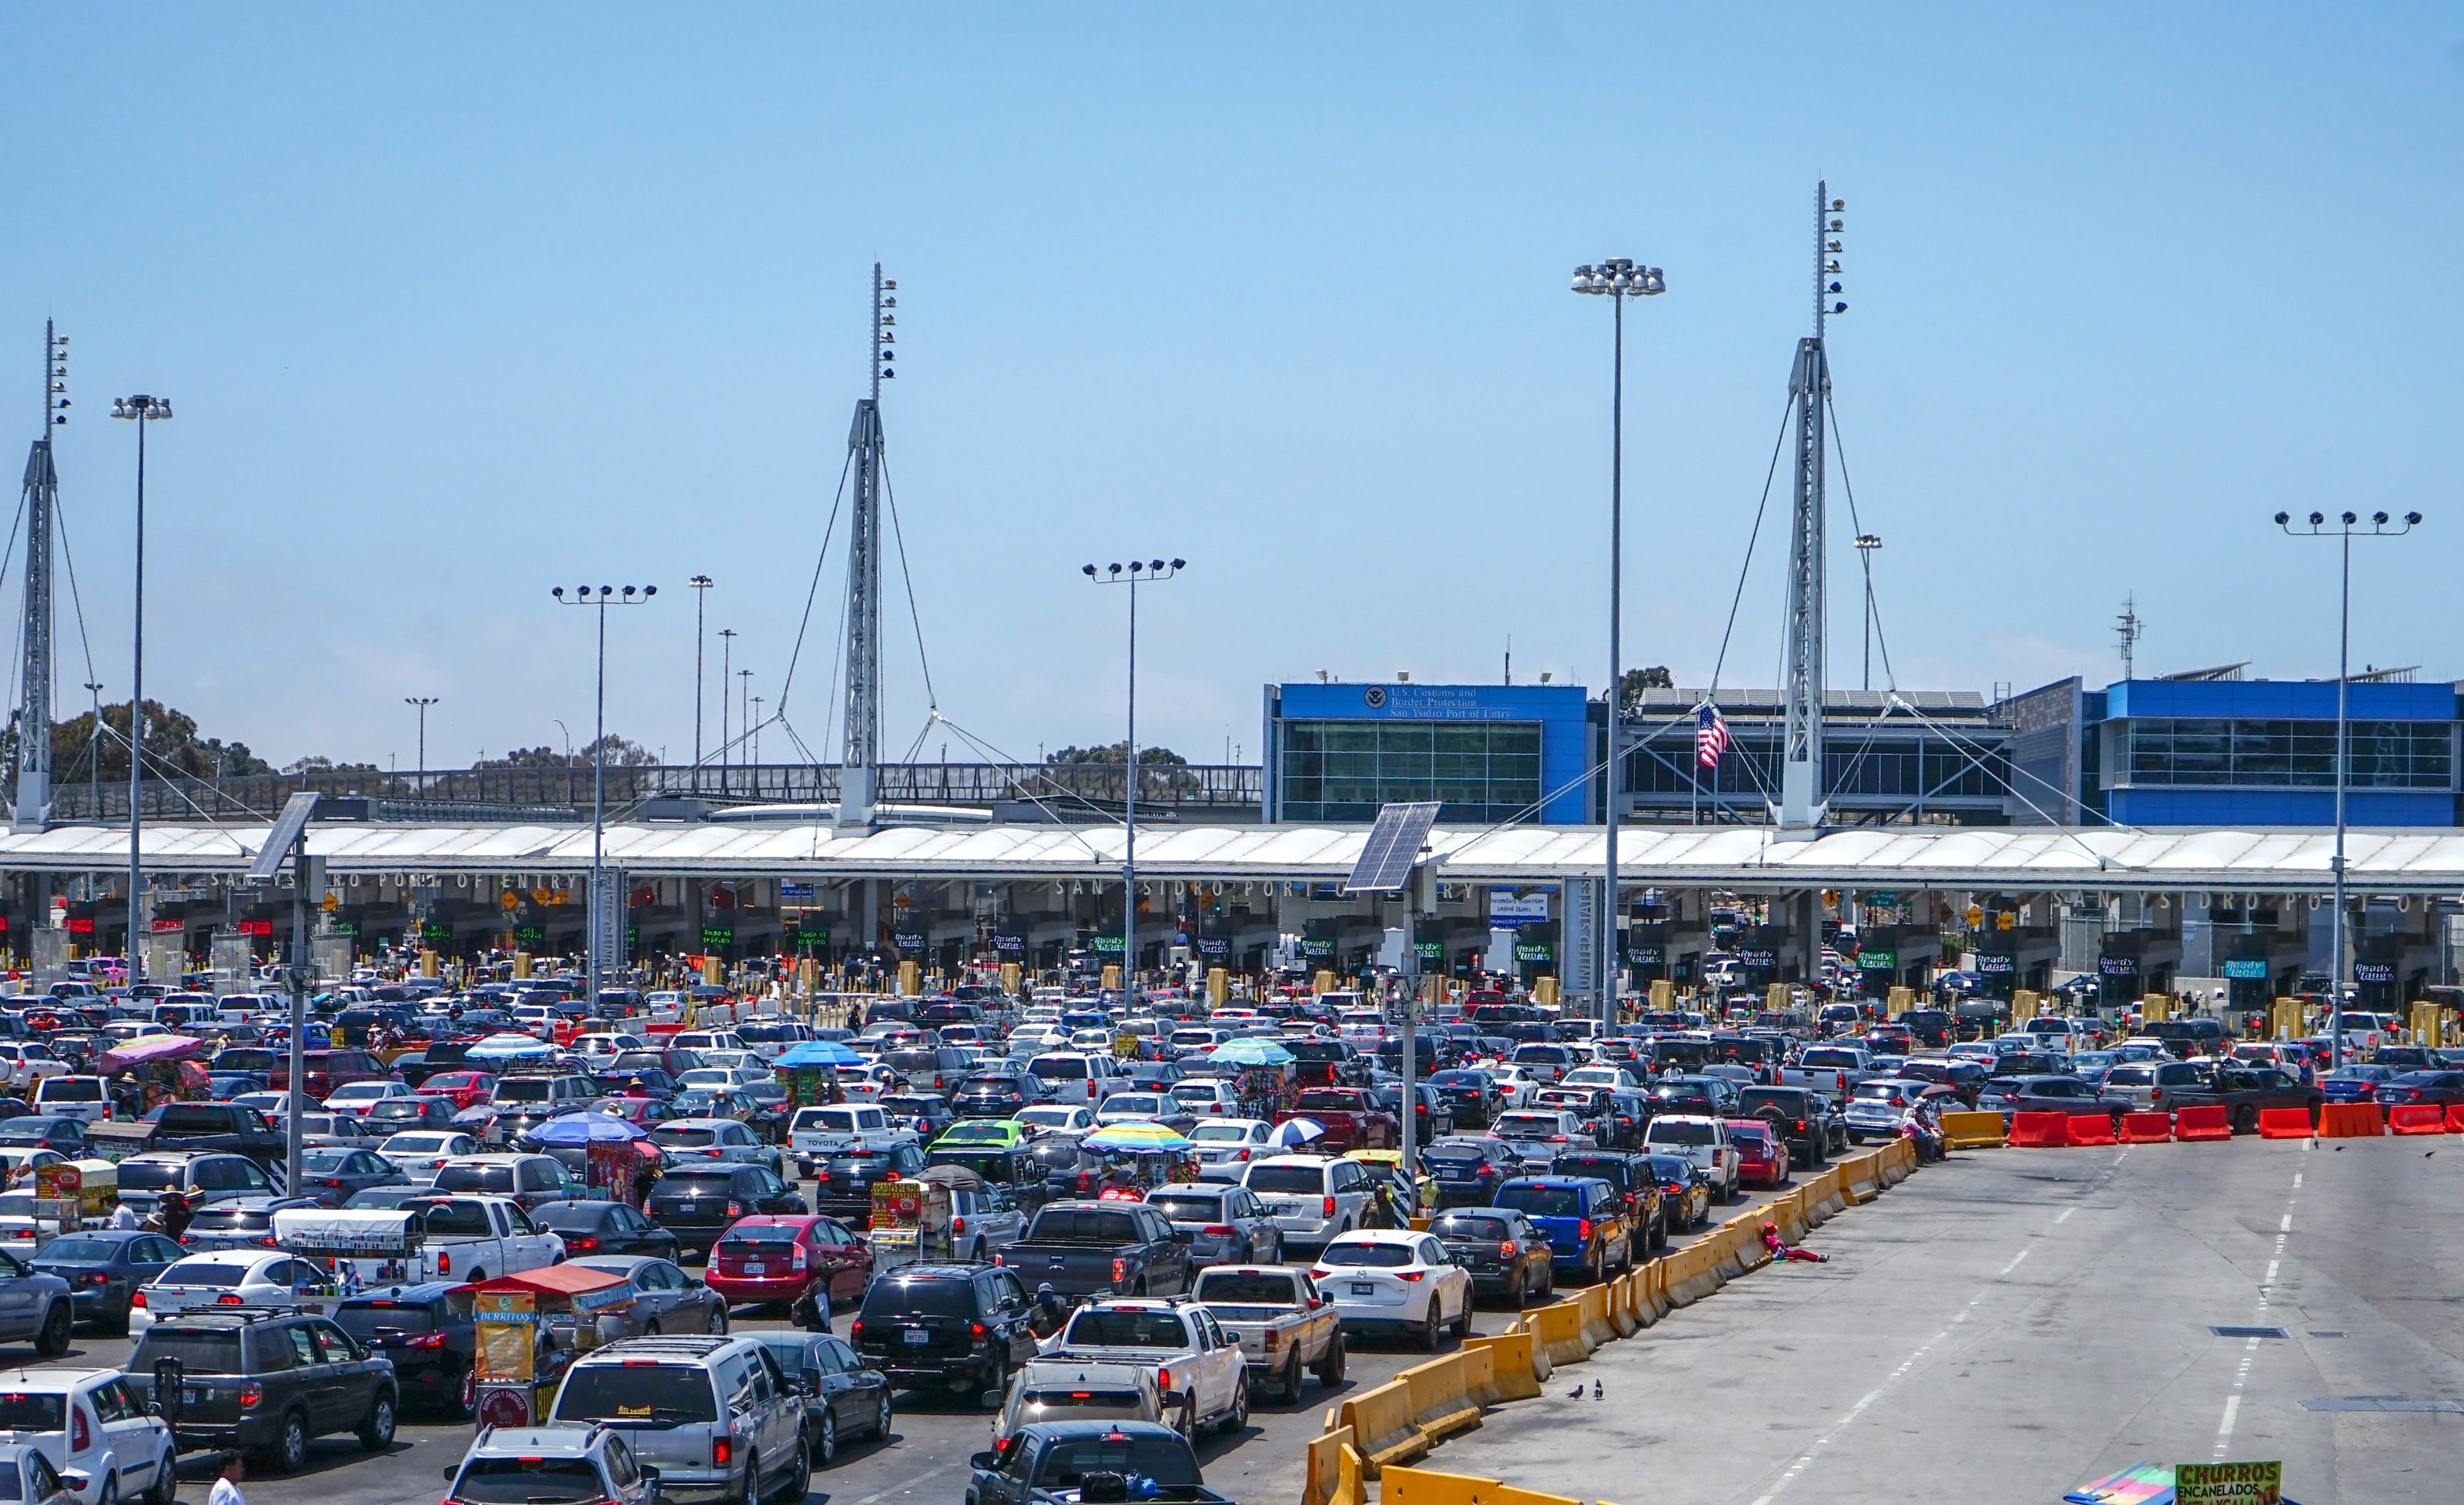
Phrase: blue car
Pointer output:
(103, 1267)
(2354, 1084)
(1584, 1218)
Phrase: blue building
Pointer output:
(1335, 751)
(2215, 750)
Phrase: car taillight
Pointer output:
(1413, 1274)
(1120, 1270)
(855, 1329)
(1326, 1210)
(720, 1451)
(1163, 1378)
(228, 1299)
(426, 1341)
(251, 1392)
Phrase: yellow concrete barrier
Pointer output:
(1597, 1326)
(1729, 1256)
(1975, 1131)
(1822, 1198)
(1442, 1402)
(1789, 1213)
(1325, 1467)
(1428, 1487)
(1352, 1475)
(1653, 1291)
(1899, 1162)
(1745, 1238)
(1383, 1423)
(1420, 1224)
(1518, 1365)
(1559, 1329)
(1860, 1177)
(1691, 1272)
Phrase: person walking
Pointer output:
(226, 1476)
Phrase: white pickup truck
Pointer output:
(1831, 1069)
(1197, 1365)
(467, 1239)
(816, 1134)
(1703, 1141)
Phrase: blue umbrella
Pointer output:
(582, 1128)
(818, 1052)
(1297, 1132)
(1251, 1052)
(497, 1045)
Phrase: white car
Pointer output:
(601, 1050)
(1395, 1281)
(1517, 1084)
(1133, 1108)
(1703, 1141)
(1225, 1146)
(1207, 1097)
(357, 1097)
(1055, 1118)
(1091, 1039)
(707, 1040)
(1537, 1136)
(226, 1277)
(1615, 1078)
(87, 1421)
(539, 1020)
(421, 1153)
(24, 1064)
(1312, 1199)
(80, 1098)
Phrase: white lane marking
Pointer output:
(2296, 1175)
(2269, 1279)
(2065, 1217)
(2285, 1226)
(2224, 1433)
(2013, 1265)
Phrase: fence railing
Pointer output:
(563, 793)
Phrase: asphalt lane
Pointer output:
(2014, 1323)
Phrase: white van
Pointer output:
(79, 1097)
(1073, 1078)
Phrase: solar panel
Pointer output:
(287, 826)
(1393, 849)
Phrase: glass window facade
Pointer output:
(2250, 753)
(1484, 771)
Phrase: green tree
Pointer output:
(173, 747)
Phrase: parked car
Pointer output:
(85, 1424)
(551, 1463)
(268, 1382)
(725, 1429)
(104, 1269)
(2443, 1088)
(329, 1176)
(432, 1347)
(961, 1328)
(845, 1397)
(1395, 1281)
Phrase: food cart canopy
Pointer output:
(151, 1048)
(317, 1230)
(587, 1290)
(818, 1052)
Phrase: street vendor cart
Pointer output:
(530, 1327)
(361, 1249)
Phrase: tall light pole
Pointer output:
(1617, 278)
(726, 656)
(1867, 544)
(605, 597)
(701, 585)
(744, 709)
(1146, 574)
(421, 703)
(93, 753)
(144, 411)
(755, 725)
(2347, 527)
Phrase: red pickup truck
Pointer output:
(1351, 1119)
(327, 1071)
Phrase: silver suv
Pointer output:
(716, 1416)
(550, 1463)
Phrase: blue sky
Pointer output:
(459, 302)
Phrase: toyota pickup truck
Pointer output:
(1089, 1249)
(1197, 1367)
(1285, 1328)
(1832, 1070)
(817, 1134)
(1352, 1119)
(473, 1239)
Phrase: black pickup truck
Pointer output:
(221, 1128)
(1088, 1463)
(1084, 1249)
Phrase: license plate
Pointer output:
(1364, 1288)
(755, 1266)
(1290, 1210)
(194, 1397)
(916, 1339)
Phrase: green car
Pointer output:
(980, 1134)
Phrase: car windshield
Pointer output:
(875, 1164)
(22, 1412)
(1187, 1207)
(760, 1233)
(71, 1088)
(888, 1298)
(1379, 1256)
(1288, 1178)
(363, 1321)
(199, 1350)
(1127, 1103)
(1665, 1131)
(684, 1139)
(1219, 1131)
(475, 1177)
(698, 1183)
(1126, 1327)
(1067, 1461)
(1246, 1287)
(1082, 1225)
(1472, 1225)
(527, 1090)
(636, 1393)
(1542, 1202)
(1525, 1125)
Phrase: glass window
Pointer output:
(335, 1347)
(303, 1348)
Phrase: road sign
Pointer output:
(2228, 1483)
(1975, 916)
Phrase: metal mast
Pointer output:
(859, 762)
(1808, 385)
(42, 500)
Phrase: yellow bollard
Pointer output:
(1664, 995)
(2023, 1007)
(521, 966)
(1543, 992)
(427, 963)
(1218, 986)
(1898, 1001)
(2154, 1007)
(908, 972)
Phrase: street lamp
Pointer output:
(1138, 574)
(94, 754)
(144, 411)
(1617, 279)
(602, 598)
(1867, 544)
(745, 711)
(2347, 527)
(726, 656)
(421, 703)
(701, 585)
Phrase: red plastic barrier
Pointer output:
(2284, 1123)
(2456, 1118)
(2039, 1131)
(2351, 1121)
(670, 1027)
(2201, 1123)
(2088, 1128)
(2148, 1128)
(2417, 1117)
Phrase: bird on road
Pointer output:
(1596, 1390)
(1575, 1394)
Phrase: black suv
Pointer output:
(698, 1202)
(434, 1350)
(962, 1327)
(843, 1180)
(1631, 1176)
(1801, 1115)
(266, 1382)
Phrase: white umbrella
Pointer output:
(1299, 1130)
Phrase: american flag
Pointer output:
(1710, 736)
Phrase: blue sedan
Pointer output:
(2354, 1084)
(104, 1268)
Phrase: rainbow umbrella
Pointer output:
(1136, 1135)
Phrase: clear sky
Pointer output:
(456, 302)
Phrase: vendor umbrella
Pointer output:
(500, 1046)
(1251, 1052)
(818, 1052)
(1136, 1135)
(1299, 1130)
(582, 1128)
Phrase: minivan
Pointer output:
(729, 1424)
(1075, 1078)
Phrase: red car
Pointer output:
(790, 1258)
(326, 1071)
(1762, 1154)
(1352, 1119)
(462, 1089)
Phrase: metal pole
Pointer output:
(726, 657)
(2343, 685)
(301, 876)
(1607, 917)
(1129, 823)
(701, 585)
(598, 807)
(137, 720)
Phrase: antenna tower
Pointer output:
(42, 500)
(2127, 627)
(860, 760)
(1801, 804)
